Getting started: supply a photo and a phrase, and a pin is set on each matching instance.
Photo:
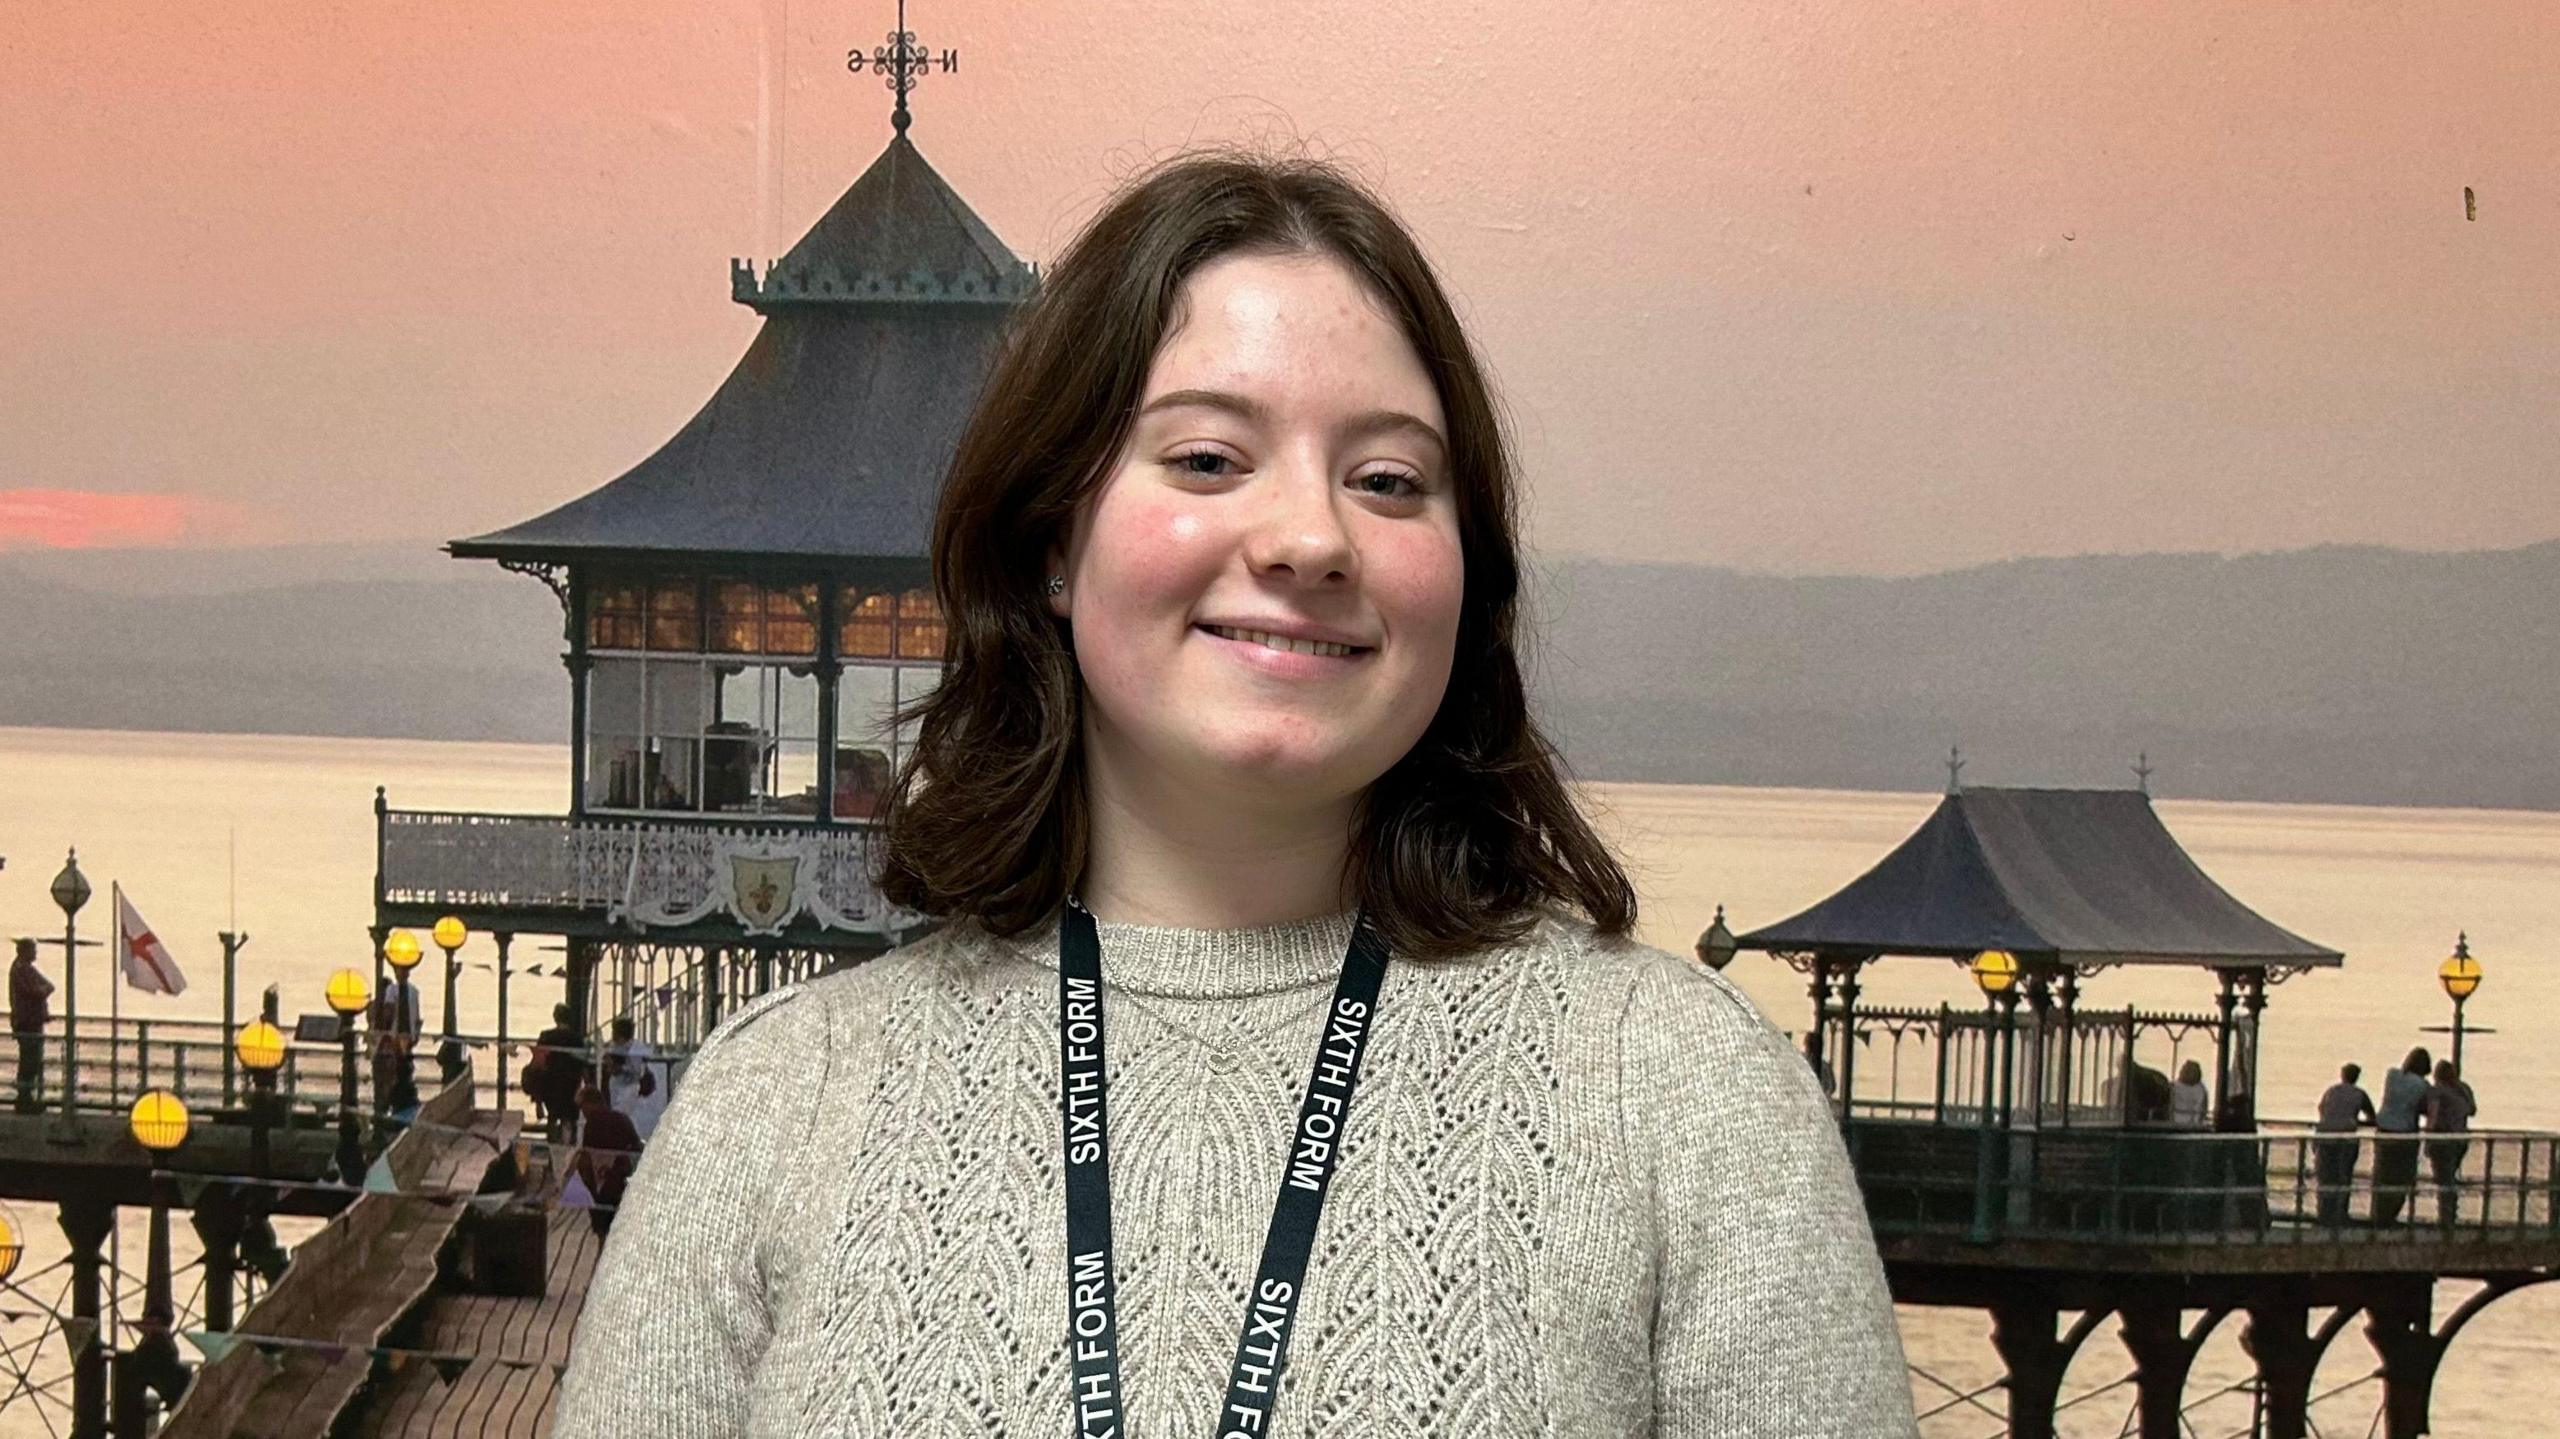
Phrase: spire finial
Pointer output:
(2142, 770)
(1955, 770)
(901, 62)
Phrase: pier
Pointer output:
(2025, 1161)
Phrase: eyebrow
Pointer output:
(1246, 407)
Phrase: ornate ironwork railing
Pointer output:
(2283, 1185)
(639, 873)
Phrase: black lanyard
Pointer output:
(1093, 1329)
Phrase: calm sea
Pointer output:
(274, 835)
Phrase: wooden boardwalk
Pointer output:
(497, 1359)
(352, 1287)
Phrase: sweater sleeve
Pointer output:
(1773, 1318)
(676, 1316)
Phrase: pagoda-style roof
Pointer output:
(830, 439)
(2080, 877)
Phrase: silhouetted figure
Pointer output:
(608, 1148)
(2450, 1105)
(2344, 1108)
(2189, 1100)
(2395, 1152)
(30, 1008)
(559, 1066)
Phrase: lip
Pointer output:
(1291, 629)
(1285, 664)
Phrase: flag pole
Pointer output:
(115, 1000)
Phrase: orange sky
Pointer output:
(1791, 286)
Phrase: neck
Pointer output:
(1162, 855)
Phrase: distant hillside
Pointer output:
(2338, 674)
(472, 656)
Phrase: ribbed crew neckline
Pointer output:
(1178, 962)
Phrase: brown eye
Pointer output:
(1393, 477)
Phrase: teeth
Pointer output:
(1281, 642)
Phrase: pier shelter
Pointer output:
(746, 612)
(2028, 1159)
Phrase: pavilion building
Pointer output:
(746, 610)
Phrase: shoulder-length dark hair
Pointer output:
(1463, 839)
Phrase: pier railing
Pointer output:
(115, 1062)
(634, 872)
(2282, 1185)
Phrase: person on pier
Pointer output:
(2344, 1108)
(558, 1067)
(2449, 1110)
(2395, 1148)
(30, 1009)
(608, 1148)
(631, 1070)
(1284, 1048)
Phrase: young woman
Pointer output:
(1283, 1064)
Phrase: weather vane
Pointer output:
(2142, 770)
(901, 62)
(1955, 770)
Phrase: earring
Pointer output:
(1057, 584)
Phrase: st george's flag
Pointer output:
(145, 961)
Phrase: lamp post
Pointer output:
(2461, 975)
(159, 1123)
(449, 934)
(1716, 946)
(1995, 971)
(400, 950)
(347, 997)
(71, 890)
(260, 1050)
(241, 1211)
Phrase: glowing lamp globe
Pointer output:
(1996, 970)
(2461, 973)
(160, 1121)
(260, 1047)
(450, 932)
(401, 950)
(12, 1244)
(347, 991)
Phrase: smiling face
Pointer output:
(1286, 475)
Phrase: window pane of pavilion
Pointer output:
(614, 733)
(920, 626)
(795, 777)
(678, 702)
(737, 617)
(915, 682)
(614, 615)
(862, 627)
(796, 689)
(864, 695)
(675, 615)
(791, 619)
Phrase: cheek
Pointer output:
(1151, 552)
(1419, 582)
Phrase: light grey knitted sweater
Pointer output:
(1586, 1190)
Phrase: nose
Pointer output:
(1297, 532)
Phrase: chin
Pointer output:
(1282, 771)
